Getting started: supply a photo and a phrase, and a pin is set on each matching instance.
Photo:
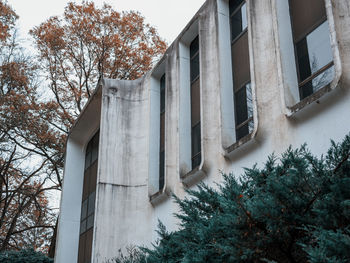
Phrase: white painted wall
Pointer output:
(69, 220)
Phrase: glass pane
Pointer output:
(306, 90)
(90, 222)
(162, 131)
(96, 138)
(303, 60)
(244, 110)
(86, 184)
(162, 101)
(162, 93)
(196, 145)
(242, 131)
(234, 4)
(93, 177)
(84, 209)
(240, 62)
(94, 153)
(194, 47)
(317, 83)
(195, 103)
(89, 147)
(194, 64)
(88, 246)
(239, 21)
(95, 142)
(319, 47)
(241, 106)
(314, 52)
(87, 159)
(161, 170)
(82, 226)
(323, 79)
(305, 15)
(196, 161)
(91, 203)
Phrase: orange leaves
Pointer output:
(74, 50)
(49, 34)
(30, 148)
(14, 75)
(7, 20)
(87, 42)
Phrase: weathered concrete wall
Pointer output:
(122, 175)
(124, 215)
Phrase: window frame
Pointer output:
(162, 152)
(233, 40)
(197, 124)
(296, 41)
(84, 247)
(248, 119)
(292, 104)
(156, 192)
(87, 199)
(245, 83)
(189, 175)
(232, 148)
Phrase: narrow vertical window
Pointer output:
(88, 203)
(162, 133)
(312, 45)
(195, 104)
(241, 69)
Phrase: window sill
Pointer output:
(243, 144)
(308, 100)
(158, 197)
(193, 176)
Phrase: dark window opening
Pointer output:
(194, 58)
(162, 93)
(313, 50)
(196, 145)
(195, 104)
(238, 17)
(161, 170)
(244, 111)
(87, 213)
(88, 203)
(241, 69)
(91, 153)
(234, 4)
(162, 133)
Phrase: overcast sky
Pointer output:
(168, 16)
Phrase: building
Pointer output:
(242, 80)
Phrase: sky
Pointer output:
(169, 17)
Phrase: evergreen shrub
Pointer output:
(296, 208)
(24, 256)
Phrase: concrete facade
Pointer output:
(128, 203)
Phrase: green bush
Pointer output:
(24, 256)
(295, 208)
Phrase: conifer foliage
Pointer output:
(24, 256)
(294, 209)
